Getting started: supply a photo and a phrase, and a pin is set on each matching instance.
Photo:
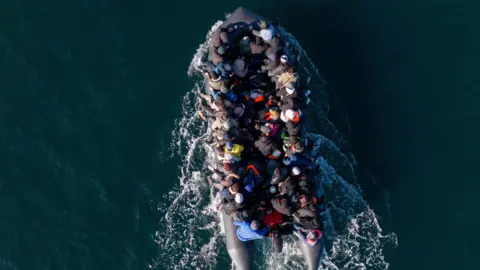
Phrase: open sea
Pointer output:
(101, 157)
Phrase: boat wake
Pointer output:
(190, 235)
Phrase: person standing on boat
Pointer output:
(247, 231)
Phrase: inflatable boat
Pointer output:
(242, 253)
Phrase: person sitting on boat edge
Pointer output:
(289, 76)
(234, 150)
(247, 231)
(217, 83)
(309, 237)
(266, 32)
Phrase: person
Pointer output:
(289, 76)
(235, 150)
(279, 174)
(288, 97)
(217, 83)
(309, 237)
(247, 231)
(240, 69)
(216, 42)
(267, 31)
(277, 70)
(229, 180)
(293, 120)
(281, 204)
(271, 116)
(265, 146)
(229, 193)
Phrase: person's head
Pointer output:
(265, 129)
(284, 59)
(290, 90)
(263, 137)
(222, 49)
(298, 147)
(274, 113)
(290, 114)
(234, 189)
(229, 146)
(239, 198)
(291, 70)
(314, 235)
(303, 199)
(254, 225)
(263, 24)
(272, 190)
(251, 171)
(296, 171)
(214, 75)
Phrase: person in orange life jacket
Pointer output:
(292, 116)
(290, 149)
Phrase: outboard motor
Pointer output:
(277, 243)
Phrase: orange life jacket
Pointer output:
(296, 119)
(260, 98)
(268, 116)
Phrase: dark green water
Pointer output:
(90, 90)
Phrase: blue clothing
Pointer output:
(226, 194)
(245, 233)
(301, 161)
(253, 180)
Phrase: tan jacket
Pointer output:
(287, 77)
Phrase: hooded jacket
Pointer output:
(265, 147)
(245, 233)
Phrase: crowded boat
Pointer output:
(255, 104)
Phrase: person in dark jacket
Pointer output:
(282, 205)
(250, 230)
(265, 146)
(279, 174)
